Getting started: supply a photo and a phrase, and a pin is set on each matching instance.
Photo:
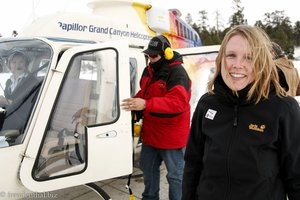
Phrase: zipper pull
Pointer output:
(235, 122)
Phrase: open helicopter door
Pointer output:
(80, 135)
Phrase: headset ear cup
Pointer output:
(169, 54)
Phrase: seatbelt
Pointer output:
(131, 196)
(133, 121)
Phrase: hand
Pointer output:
(133, 104)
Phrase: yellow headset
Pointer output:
(166, 47)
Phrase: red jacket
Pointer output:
(167, 91)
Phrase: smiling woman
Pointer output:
(242, 121)
(244, 66)
(237, 70)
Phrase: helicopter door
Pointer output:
(80, 134)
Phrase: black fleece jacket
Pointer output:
(241, 151)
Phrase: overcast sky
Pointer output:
(15, 14)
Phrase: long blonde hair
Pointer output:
(264, 67)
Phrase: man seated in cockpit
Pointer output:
(18, 64)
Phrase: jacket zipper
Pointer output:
(235, 123)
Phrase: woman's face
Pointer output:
(18, 65)
(237, 70)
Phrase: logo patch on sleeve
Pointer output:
(210, 114)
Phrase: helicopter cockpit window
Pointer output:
(24, 64)
(88, 98)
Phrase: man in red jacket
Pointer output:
(164, 102)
